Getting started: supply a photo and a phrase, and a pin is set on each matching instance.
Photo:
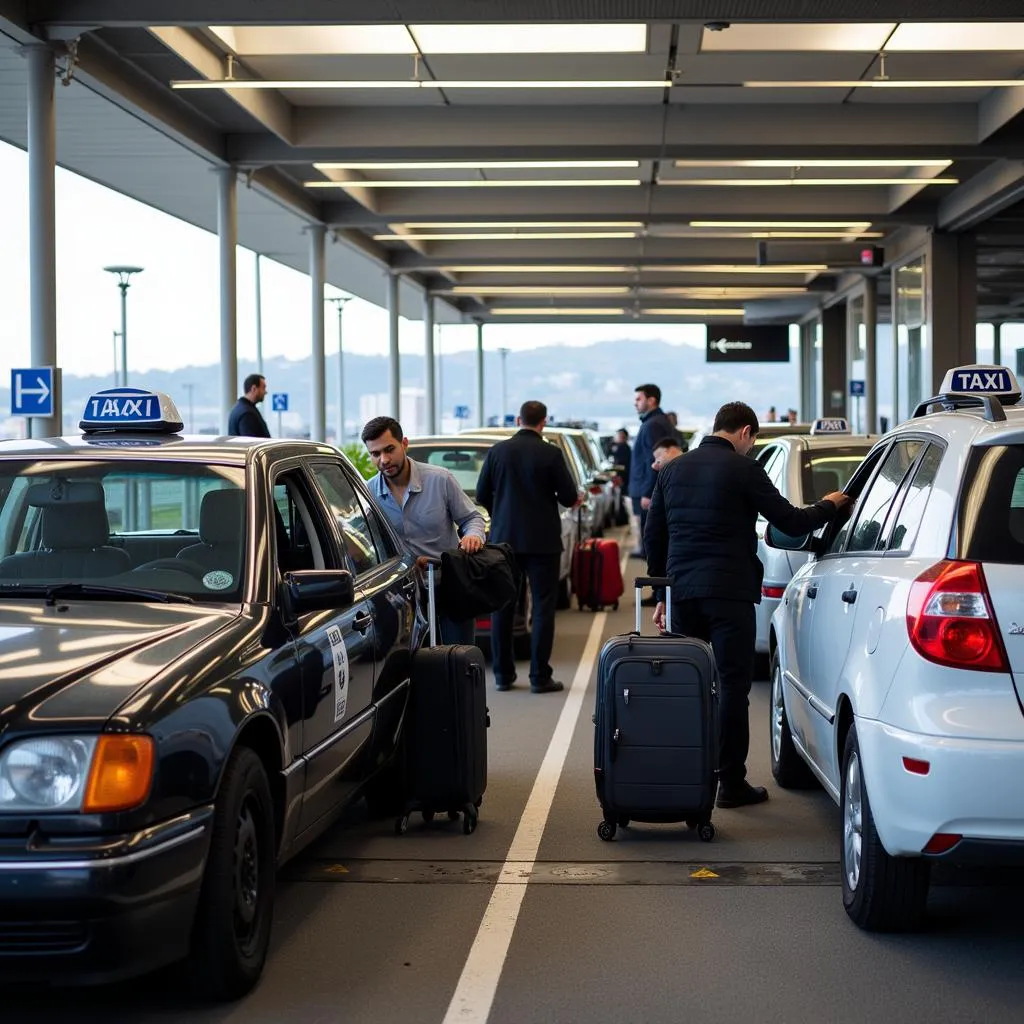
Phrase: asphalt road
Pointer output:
(533, 918)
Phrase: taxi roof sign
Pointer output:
(830, 425)
(979, 379)
(130, 410)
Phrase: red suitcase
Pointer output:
(597, 574)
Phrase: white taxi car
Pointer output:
(898, 651)
(803, 469)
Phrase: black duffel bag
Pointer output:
(477, 584)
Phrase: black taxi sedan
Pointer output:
(205, 651)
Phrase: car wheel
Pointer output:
(231, 932)
(564, 593)
(522, 643)
(880, 892)
(789, 769)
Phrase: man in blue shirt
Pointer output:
(425, 505)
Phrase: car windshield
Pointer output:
(991, 515)
(824, 470)
(118, 526)
(464, 462)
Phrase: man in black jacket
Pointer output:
(245, 419)
(701, 535)
(522, 482)
(654, 425)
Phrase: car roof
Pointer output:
(969, 425)
(454, 440)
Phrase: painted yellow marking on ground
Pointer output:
(703, 873)
(336, 869)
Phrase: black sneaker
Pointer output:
(546, 686)
(504, 684)
(741, 795)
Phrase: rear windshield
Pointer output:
(990, 524)
(825, 470)
(463, 462)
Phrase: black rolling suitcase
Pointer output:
(446, 753)
(656, 728)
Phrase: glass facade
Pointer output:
(911, 360)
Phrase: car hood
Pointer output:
(80, 661)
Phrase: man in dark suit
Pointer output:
(522, 482)
(245, 419)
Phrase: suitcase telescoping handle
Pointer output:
(655, 581)
(432, 600)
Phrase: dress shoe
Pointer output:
(741, 795)
(504, 684)
(546, 686)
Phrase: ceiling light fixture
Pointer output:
(504, 183)
(531, 289)
(892, 83)
(816, 182)
(477, 225)
(785, 224)
(473, 165)
(646, 268)
(813, 163)
(504, 236)
(557, 311)
(510, 268)
(412, 83)
(821, 235)
(739, 311)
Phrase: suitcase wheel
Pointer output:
(402, 825)
(615, 606)
(606, 830)
(706, 831)
(469, 820)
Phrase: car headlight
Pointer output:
(46, 774)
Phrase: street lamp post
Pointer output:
(117, 334)
(504, 391)
(339, 302)
(124, 275)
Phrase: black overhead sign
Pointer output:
(734, 343)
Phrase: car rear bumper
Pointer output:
(79, 912)
(968, 791)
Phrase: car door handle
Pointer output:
(409, 588)
(812, 593)
(849, 596)
(362, 622)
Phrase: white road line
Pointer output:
(474, 994)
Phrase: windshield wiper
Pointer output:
(92, 590)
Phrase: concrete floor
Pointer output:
(608, 932)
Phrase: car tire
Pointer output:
(231, 932)
(881, 893)
(789, 769)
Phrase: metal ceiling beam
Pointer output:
(270, 108)
(997, 109)
(311, 12)
(989, 192)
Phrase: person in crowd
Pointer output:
(426, 506)
(666, 449)
(773, 416)
(701, 535)
(654, 425)
(791, 416)
(245, 420)
(621, 456)
(522, 482)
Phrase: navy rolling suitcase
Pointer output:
(446, 752)
(656, 728)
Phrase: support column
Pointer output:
(42, 219)
(806, 369)
(428, 362)
(318, 399)
(997, 344)
(394, 358)
(871, 354)
(227, 232)
(259, 317)
(834, 384)
(480, 373)
(951, 294)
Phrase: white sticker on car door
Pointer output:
(339, 654)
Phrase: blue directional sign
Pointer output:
(856, 389)
(510, 420)
(32, 391)
(279, 401)
(462, 412)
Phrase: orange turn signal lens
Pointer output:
(121, 774)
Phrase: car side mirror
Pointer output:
(775, 538)
(314, 590)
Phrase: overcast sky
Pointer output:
(173, 316)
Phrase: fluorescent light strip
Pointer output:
(530, 289)
(849, 235)
(502, 236)
(504, 183)
(890, 83)
(557, 311)
(817, 182)
(646, 268)
(738, 293)
(528, 269)
(238, 84)
(785, 224)
(812, 163)
(470, 165)
(476, 225)
(693, 312)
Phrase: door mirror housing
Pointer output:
(314, 590)
(775, 538)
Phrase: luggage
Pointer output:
(656, 736)
(597, 574)
(447, 725)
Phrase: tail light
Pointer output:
(768, 591)
(950, 620)
(596, 488)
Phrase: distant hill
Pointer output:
(592, 382)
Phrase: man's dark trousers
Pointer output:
(729, 626)
(540, 572)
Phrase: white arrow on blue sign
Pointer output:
(32, 391)
(279, 401)
(462, 412)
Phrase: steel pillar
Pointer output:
(480, 420)
(428, 362)
(394, 359)
(227, 233)
(951, 293)
(870, 354)
(834, 385)
(318, 406)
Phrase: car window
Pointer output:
(386, 545)
(300, 539)
(824, 470)
(349, 513)
(464, 463)
(901, 530)
(991, 512)
(873, 506)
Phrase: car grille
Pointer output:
(42, 937)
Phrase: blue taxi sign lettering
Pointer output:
(998, 381)
(129, 410)
(830, 425)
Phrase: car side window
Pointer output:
(901, 531)
(875, 503)
(299, 537)
(386, 547)
(771, 459)
(349, 513)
